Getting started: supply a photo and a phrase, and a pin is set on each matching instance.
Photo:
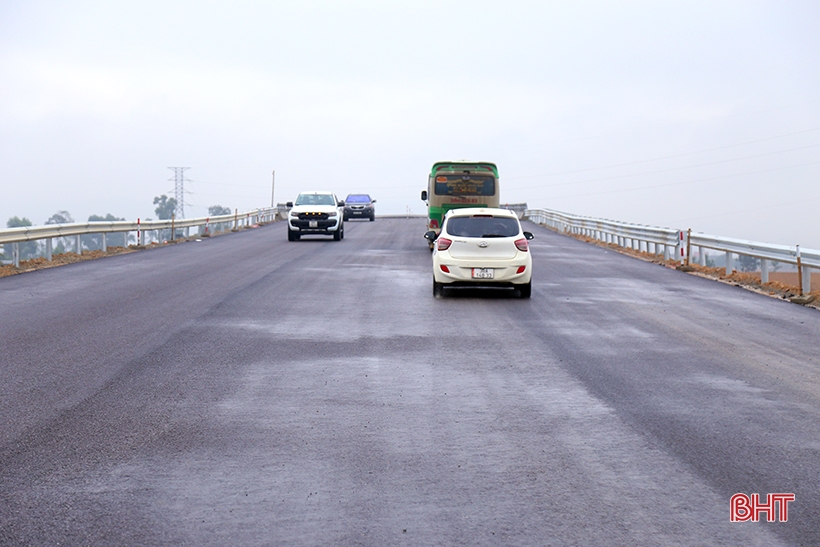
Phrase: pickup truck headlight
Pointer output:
(333, 214)
(293, 213)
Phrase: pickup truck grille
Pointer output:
(313, 216)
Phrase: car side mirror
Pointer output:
(373, 201)
(289, 205)
(340, 203)
(424, 195)
(528, 235)
(430, 236)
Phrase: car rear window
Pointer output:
(483, 226)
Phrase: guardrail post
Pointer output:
(801, 273)
(702, 256)
(806, 279)
(48, 249)
(79, 245)
(730, 263)
(104, 244)
(15, 254)
(764, 270)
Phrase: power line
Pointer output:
(668, 170)
(679, 183)
(666, 157)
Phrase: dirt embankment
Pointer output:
(62, 259)
(781, 285)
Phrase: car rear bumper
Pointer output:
(503, 273)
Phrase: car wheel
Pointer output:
(372, 218)
(337, 235)
(438, 289)
(292, 236)
(525, 290)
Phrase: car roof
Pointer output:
(473, 211)
(316, 192)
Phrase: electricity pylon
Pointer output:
(179, 192)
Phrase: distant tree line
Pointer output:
(164, 210)
(33, 249)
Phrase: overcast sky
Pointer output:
(702, 115)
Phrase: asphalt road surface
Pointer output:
(247, 390)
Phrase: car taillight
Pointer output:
(444, 243)
(522, 245)
(520, 269)
(444, 268)
(433, 223)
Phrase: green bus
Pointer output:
(457, 184)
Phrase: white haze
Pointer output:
(702, 115)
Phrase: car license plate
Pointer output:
(313, 224)
(482, 273)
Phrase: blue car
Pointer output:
(359, 206)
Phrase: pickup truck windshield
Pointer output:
(315, 199)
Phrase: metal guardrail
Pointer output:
(47, 232)
(656, 240)
(634, 236)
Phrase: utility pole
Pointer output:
(272, 183)
(179, 191)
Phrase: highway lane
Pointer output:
(252, 391)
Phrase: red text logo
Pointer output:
(745, 507)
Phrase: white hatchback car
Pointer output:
(480, 247)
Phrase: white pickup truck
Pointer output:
(316, 213)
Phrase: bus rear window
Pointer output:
(462, 185)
